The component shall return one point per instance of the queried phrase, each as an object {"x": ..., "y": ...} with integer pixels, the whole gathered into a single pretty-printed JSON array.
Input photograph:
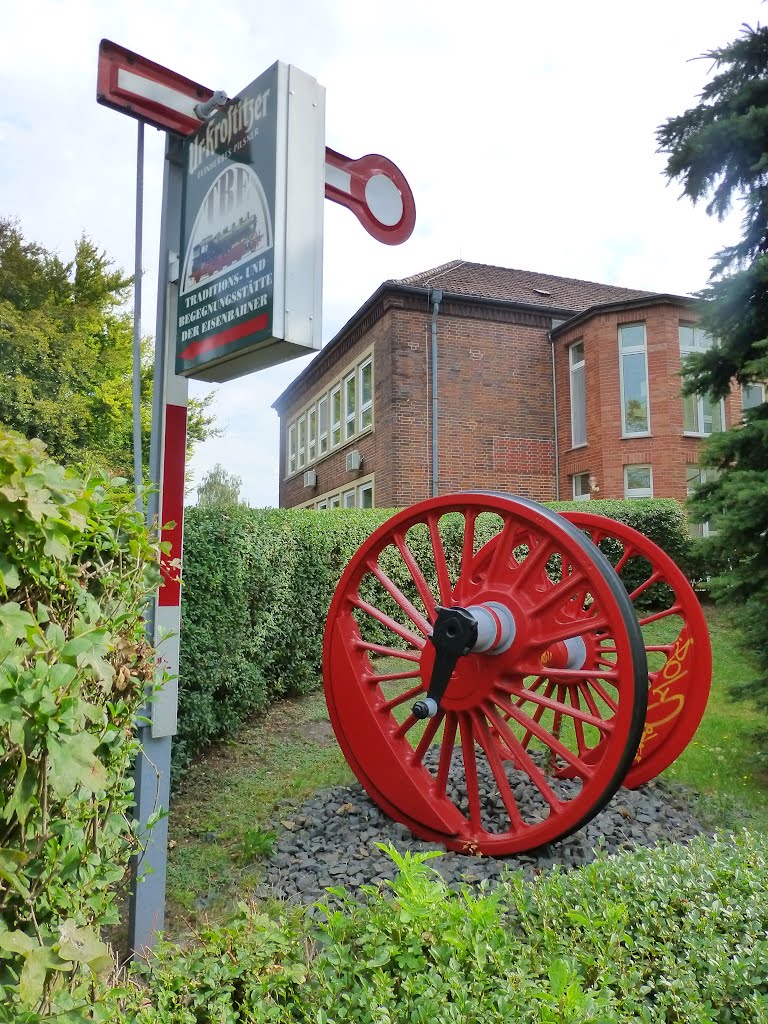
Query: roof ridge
[{"x": 428, "y": 275}]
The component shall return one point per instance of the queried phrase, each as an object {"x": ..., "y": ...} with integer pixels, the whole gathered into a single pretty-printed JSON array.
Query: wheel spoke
[
  {"x": 568, "y": 630},
  {"x": 426, "y": 595},
  {"x": 578, "y": 721},
  {"x": 429, "y": 734},
  {"x": 402, "y": 698},
  {"x": 561, "y": 592},
  {"x": 674, "y": 610},
  {"x": 502, "y": 552},
  {"x": 441, "y": 566},
  {"x": 393, "y": 677},
  {"x": 570, "y": 675},
  {"x": 386, "y": 620},
  {"x": 470, "y": 768},
  {"x": 399, "y": 597},
  {"x": 386, "y": 652},
  {"x": 602, "y": 693},
  {"x": 559, "y": 706},
  {"x": 521, "y": 755},
  {"x": 546, "y": 737},
  {"x": 653, "y": 578},
  {"x": 468, "y": 544},
  {"x": 446, "y": 752},
  {"x": 486, "y": 741}
]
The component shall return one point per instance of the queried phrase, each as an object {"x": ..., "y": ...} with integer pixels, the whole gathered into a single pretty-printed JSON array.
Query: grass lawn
[{"x": 221, "y": 813}]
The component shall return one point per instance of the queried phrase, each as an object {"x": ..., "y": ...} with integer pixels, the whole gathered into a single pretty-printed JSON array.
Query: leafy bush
[
  {"x": 659, "y": 935},
  {"x": 258, "y": 584},
  {"x": 76, "y": 568}
]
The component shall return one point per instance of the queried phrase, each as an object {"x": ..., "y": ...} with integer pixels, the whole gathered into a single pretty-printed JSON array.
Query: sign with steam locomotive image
[{"x": 249, "y": 287}]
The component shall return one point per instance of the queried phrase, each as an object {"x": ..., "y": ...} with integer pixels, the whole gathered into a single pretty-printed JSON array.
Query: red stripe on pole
[
  {"x": 172, "y": 503},
  {"x": 206, "y": 345}
]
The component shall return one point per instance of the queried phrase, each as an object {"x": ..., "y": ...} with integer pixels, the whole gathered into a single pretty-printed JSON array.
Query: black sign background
[{"x": 226, "y": 287}]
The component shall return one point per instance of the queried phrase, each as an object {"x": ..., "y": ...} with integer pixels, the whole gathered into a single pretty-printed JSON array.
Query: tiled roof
[{"x": 525, "y": 286}]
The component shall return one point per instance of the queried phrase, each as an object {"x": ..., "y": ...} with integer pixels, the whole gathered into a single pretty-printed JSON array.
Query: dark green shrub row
[
  {"x": 258, "y": 583},
  {"x": 76, "y": 571},
  {"x": 664, "y": 935}
]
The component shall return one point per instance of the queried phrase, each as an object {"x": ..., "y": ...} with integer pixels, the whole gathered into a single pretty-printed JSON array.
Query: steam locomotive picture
[
  {"x": 224, "y": 249},
  {"x": 232, "y": 225}
]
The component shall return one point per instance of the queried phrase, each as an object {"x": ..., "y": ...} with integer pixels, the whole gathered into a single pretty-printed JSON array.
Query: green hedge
[
  {"x": 670, "y": 935},
  {"x": 257, "y": 586}
]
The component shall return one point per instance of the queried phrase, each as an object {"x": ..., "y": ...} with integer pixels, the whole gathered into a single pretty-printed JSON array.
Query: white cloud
[{"x": 526, "y": 132}]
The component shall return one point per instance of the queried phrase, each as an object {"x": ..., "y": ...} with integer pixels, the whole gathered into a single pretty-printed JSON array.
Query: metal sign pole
[
  {"x": 137, "y": 270},
  {"x": 165, "y": 504}
]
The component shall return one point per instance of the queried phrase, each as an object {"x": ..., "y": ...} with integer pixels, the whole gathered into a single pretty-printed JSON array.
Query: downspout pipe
[
  {"x": 554, "y": 416},
  {"x": 436, "y": 297}
]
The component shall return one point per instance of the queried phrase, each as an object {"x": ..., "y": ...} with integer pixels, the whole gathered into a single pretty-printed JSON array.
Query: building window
[
  {"x": 752, "y": 395},
  {"x": 365, "y": 495},
  {"x": 322, "y": 426},
  {"x": 302, "y": 441},
  {"x": 350, "y": 404},
  {"x": 695, "y": 475},
  {"x": 348, "y": 499},
  {"x": 581, "y": 488},
  {"x": 321, "y": 505},
  {"x": 701, "y": 416},
  {"x": 336, "y": 416},
  {"x": 311, "y": 434},
  {"x": 578, "y": 395},
  {"x": 638, "y": 482},
  {"x": 366, "y": 394},
  {"x": 334, "y": 501},
  {"x": 292, "y": 448},
  {"x": 633, "y": 372}
]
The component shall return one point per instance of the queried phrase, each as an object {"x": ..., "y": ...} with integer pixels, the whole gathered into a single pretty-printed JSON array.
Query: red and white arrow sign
[{"x": 372, "y": 187}]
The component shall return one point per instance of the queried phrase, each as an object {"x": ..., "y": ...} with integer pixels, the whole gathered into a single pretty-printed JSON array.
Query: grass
[{"x": 224, "y": 809}]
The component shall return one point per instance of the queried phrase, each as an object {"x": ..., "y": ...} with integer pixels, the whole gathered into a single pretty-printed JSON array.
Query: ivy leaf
[
  {"x": 84, "y": 947},
  {"x": 72, "y": 763},
  {"x": 14, "y": 620},
  {"x": 9, "y": 576},
  {"x": 36, "y": 966}
]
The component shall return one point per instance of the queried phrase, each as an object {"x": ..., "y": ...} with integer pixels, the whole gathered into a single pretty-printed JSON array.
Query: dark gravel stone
[{"x": 332, "y": 841}]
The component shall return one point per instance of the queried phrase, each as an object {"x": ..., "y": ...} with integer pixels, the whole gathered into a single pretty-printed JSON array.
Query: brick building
[{"x": 547, "y": 387}]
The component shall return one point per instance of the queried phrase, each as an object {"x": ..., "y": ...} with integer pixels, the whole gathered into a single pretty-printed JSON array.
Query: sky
[{"x": 526, "y": 132}]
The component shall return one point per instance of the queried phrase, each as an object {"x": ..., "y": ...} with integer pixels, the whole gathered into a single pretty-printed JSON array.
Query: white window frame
[
  {"x": 704, "y": 475},
  {"x": 700, "y": 342},
  {"x": 578, "y": 369},
  {"x": 322, "y": 429},
  {"x": 745, "y": 402},
  {"x": 630, "y": 351},
  {"x": 292, "y": 451},
  {"x": 321, "y": 505},
  {"x": 336, "y": 436},
  {"x": 638, "y": 492},
  {"x": 365, "y": 412},
  {"x": 334, "y": 501},
  {"x": 579, "y": 495},
  {"x": 350, "y": 414},
  {"x": 348, "y": 499},
  {"x": 302, "y": 448},
  {"x": 311, "y": 434}
]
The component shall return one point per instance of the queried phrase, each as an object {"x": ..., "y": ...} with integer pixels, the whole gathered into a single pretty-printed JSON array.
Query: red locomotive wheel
[
  {"x": 676, "y": 641},
  {"x": 506, "y": 760}
]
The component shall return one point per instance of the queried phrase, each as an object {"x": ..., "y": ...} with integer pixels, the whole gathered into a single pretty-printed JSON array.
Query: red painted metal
[
  {"x": 113, "y": 91},
  {"x": 360, "y": 173},
  {"x": 174, "y": 452},
  {"x": 679, "y": 684},
  {"x": 377, "y": 661}
]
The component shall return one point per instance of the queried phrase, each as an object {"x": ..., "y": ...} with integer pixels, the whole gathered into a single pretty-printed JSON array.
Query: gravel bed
[{"x": 330, "y": 840}]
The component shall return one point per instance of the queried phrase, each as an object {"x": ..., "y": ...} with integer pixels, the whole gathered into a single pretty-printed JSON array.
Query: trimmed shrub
[
  {"x": 76, "y": 569},
  {"x": 258, "y": 584},
  {"x": 670, "y": 934}
]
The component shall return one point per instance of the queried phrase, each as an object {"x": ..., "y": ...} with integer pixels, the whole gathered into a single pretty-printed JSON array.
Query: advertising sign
[{"x": 252, "y": 230}]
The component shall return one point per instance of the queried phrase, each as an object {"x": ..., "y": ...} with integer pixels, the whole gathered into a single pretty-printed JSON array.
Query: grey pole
[
  {"x": 153, "y": 764},
  {"x": 137, "y": 460}
]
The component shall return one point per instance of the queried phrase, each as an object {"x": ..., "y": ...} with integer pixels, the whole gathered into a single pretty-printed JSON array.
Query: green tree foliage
[
  {"x": 219, "y": 488},
  {"x": 66, "y": 355},
  {"x": 719, "y": 152}
]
